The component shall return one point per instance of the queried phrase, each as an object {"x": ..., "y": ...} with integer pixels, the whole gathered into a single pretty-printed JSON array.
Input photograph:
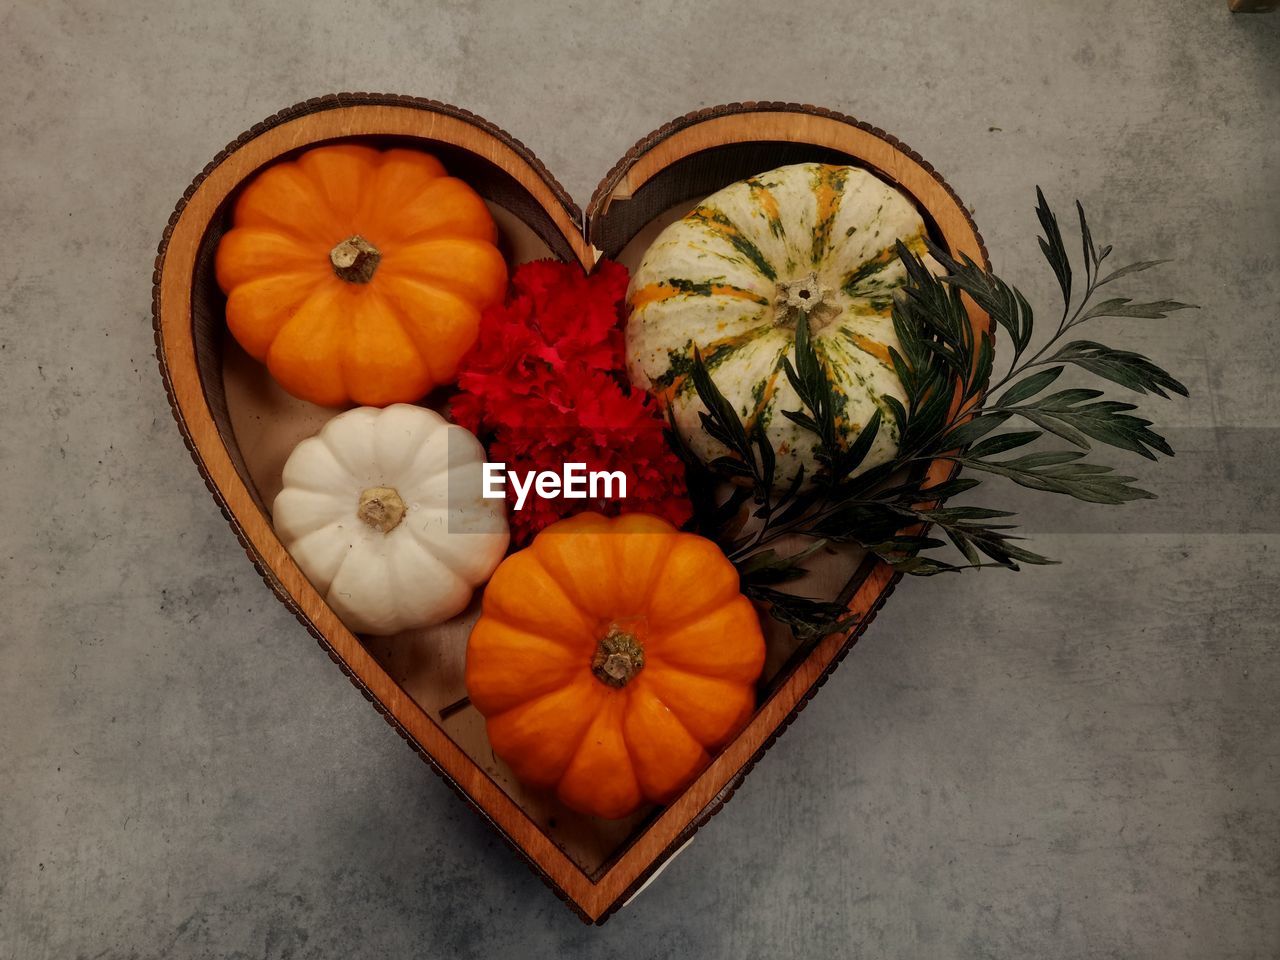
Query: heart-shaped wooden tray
[{"x": 239, "y": 427}]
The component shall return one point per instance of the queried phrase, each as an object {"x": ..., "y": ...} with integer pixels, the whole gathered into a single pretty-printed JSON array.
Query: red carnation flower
[{"x": 544, "y": 387}]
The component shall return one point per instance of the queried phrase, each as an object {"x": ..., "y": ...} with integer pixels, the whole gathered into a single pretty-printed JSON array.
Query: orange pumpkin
[
  {"x": 612, "y": 656},
  {"x": 359, "y": 275}
]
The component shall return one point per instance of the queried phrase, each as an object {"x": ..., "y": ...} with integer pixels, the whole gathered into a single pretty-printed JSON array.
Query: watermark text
[{"x": 573, "y": 482}]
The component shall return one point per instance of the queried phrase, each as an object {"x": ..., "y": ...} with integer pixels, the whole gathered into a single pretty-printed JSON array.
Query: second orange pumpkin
[
  {"x": 359, "y": 275},
  {"x": 611, "y": 658}
]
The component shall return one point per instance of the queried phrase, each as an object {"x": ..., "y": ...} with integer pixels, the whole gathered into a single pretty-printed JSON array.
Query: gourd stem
[
  {"x": 804, "y": 297},
  {"x": 355, "y": 259},
  {"x": 619, "y": 657},
  {"x": 381, "y": 508}
]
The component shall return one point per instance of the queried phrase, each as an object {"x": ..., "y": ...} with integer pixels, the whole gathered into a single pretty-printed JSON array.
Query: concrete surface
[{"x": 1072, "y": 762}]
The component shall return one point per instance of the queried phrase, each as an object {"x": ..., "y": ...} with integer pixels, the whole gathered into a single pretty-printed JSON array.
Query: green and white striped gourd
[{"x": 733, "y": 277}]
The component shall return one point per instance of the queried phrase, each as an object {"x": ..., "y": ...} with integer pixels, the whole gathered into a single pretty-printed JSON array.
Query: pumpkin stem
[
  {"x": 355, "y": 259},
  {"x": 619, "y": 657},
  {"x": 381, "y": 508},
  {"x": 804, "y": 297}
]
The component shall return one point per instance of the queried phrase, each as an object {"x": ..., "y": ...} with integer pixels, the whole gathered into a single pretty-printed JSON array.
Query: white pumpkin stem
[
  {"x": 355, "y": 259},
  {"x": 805, "y": 297},
  {"x": 381, "y": 508},
  {"x": 619, "y": 657}
]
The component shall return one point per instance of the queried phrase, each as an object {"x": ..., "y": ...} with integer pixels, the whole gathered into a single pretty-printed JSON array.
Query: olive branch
[{"x": 953, "y": 413}]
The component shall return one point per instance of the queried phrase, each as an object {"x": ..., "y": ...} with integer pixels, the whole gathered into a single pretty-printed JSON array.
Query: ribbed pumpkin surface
[
  {"x": 389, "y": 333},
  {"x": 721, "y": 277}
]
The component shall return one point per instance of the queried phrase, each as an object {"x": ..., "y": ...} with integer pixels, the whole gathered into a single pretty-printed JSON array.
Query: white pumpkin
[
  {"x": 382, "y": 510},
  {"x": 733, "y": 277}
]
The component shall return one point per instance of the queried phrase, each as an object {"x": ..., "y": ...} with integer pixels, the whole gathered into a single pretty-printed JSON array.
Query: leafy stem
[{"x": 950, "y": 411}]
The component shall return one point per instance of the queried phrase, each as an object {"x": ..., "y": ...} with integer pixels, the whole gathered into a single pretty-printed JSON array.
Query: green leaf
[
  {"x": 927, "y": 419},
  {"x": 1023, "y": 555},
  {"x": 699, "y": 481},
  {"x": 713, "y": 428},
  {"x": 1045, "y": 458},
  {"x": 1086, "y": 241},
  {"x": 1000, "y": 547},
  {"x": 1093, "y": 483},
  {"x": 769, "y": 567},
  {"x": 1058, "y": 427},
  {"x": 929, "y": 309},
  {"x": 861, "y": 522},
  {"x": 965, "y": 545},
  {"x": 768, "y": 459},
  {"x": 720, "y": 412},
  {"x": 1004, "y": 304},
  {"x": 1108, "y": 421},
  {"x": 1124, "y": 307},
  {"x": 1052, "y": 247},
  {"x": 751, "y": 457},
  {"x": 1003, "y": 442},
  {"x": 905, "y": 373},
  {"x": 956, "y": 514},
  {"x": 803, "y": 420},
  {"x": 808, "y": 619},
  {"x": 852, "y": 458},
  {"x": 981, "y": 375},
  {"x": 899, "y": 412},
  {"x": 924, "y": 566},
  {"x": 973, "y": 430},
  {"x": 1029, "y": 387},
  {"x": 1070, "y": 396},
  {"x": 1124, "y": 367},
  {"x": 793, "y": 504},
  {"x": 808, "y": 377},
  {"x": 950, "y": 488},
  {"x": 1130, "y": 269},
  {"x": 903, "y": 545},
  {"x": 729, "y": 507},
  {"x": 731, "y": 467}
]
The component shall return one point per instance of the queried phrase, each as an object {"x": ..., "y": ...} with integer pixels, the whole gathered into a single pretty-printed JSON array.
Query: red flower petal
[{"x": 545, "y": 385}]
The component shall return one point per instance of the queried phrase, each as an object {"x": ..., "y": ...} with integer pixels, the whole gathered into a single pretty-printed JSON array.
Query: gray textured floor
[{"x": 1078, "y": 761}]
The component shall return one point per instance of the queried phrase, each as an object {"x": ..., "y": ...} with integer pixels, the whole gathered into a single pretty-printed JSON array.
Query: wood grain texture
[
  {"x": 755, "y": 127},
  {"x": 656, "y": 168}
]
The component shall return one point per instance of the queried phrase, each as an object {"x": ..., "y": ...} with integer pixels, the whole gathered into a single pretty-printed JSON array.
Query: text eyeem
[{"x": 573, "y": 482}]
